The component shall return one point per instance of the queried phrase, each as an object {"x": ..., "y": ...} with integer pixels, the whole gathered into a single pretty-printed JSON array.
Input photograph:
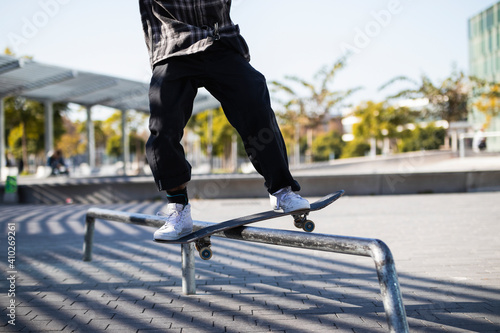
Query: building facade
[{"x": 484, "y": 63}]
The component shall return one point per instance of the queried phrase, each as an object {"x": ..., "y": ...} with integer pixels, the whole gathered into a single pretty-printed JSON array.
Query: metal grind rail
[{"x": 374, "y": 248}]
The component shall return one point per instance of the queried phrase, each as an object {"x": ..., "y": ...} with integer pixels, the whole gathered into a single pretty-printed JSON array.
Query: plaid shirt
[{"x": 182, "y": 27}]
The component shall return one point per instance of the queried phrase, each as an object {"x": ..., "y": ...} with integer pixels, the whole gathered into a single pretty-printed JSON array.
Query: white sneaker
[
  {"x": 288, "y": 201},
  {"x": 178, "y": 222}
]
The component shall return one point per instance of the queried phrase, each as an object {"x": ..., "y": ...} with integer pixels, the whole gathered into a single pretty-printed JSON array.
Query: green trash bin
[
  {"x": 11, "y": 184},
  {"x": 10, "y": 195}
]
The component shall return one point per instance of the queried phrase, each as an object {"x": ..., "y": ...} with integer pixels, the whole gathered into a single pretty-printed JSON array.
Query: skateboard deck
[{"x": 201, "y": 237}]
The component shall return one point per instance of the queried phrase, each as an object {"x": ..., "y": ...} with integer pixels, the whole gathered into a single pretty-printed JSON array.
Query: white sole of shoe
[{"x": 166, "y": 238}]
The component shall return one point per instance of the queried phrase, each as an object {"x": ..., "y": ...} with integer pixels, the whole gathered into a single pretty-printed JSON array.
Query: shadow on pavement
[{"x": 134, "y": 284}]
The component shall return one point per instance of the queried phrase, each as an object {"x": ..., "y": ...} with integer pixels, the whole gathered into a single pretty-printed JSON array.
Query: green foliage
[
  {"x": 423, "y": 138},
  {"x": 355, "y": 148},
  {"x": 327, "y": 145},
  {"x": 222, "y": 132},
  {"x": 114, "y": 146},
  {"x": 108, "y": 133},
  {"x": 379, "y": 120},
  {"x": 487, "y": 100},
  {"x": 72, "y": 142},
  {"x": 25, "y": 126},
  {"x": 137, "y": 143}
]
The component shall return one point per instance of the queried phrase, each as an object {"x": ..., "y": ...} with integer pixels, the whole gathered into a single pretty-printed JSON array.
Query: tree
[
  {"x": 355, "y": 148},
  {"x": 71, "y": 142},
  {"x": 109, "y": 134},
  {"x": 22, "y": 120},
  {"x": 309, "y": 110},
  {"x": 487, "y": 100},
  {"x": 378, "y": 121},
  {"x": 422, "y": 138},
  {"x": 25, "y": 126},
  {"x": 447, "y": 100},
  {"x": 222, "y": 133},
  {"x": 328, "y": 145}
]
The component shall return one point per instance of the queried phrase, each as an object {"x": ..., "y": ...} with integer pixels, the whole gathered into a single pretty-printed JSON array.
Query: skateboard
[{"x": 201, "y": 237}]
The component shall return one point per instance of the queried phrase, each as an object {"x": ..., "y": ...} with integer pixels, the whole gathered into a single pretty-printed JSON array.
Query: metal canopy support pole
[
  {"x": 90, "y": 138},
  {"x": 125, "y": 143},
  {"x": 49, "y": 127},
  {"x": 462, "y": 145},
  {"x": 374, "y": 248},
  {"x": 3, "y": 159},
  {"x": 373, "y": 147}
]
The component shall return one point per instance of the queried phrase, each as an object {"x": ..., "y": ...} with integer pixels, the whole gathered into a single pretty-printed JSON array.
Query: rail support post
[
  {"x": 389, "y": 287},
  {"x": 89, "y": 238},
  {"x": 188, "y": 270}
]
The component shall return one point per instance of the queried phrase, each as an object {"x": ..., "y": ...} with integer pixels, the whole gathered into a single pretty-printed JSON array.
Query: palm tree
[
  {"x": 310, "y": 109},
  {"x": 447, "y": 100}
]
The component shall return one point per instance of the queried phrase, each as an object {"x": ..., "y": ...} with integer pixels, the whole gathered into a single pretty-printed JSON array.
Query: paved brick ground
[{"x": 446, "y": 249}]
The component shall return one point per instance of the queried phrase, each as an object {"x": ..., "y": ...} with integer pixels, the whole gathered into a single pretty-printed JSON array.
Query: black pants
[{"x": 243, "y": 94}]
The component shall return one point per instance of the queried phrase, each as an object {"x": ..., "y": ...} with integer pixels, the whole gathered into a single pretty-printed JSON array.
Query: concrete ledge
[
  {"x": 127, "y": 189},
  {"x": 403, "y": 183}
]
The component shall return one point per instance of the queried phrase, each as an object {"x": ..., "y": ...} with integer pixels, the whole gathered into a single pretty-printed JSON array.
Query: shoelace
[{"x": 168, "y": 215}]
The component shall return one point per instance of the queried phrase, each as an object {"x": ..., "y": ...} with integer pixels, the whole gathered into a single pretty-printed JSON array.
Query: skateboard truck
[
  {"x": 202, "y": 245},
  {"x": 300, "y": 221}
]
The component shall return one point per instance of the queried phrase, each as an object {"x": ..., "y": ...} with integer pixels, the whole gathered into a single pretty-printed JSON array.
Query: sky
[{"x": 388, "y": 38}]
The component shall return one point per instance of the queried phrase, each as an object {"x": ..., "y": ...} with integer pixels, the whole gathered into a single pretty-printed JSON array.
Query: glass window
[
  {"x": 489, "y": 18},
  {"x": 497, "y": 45}
]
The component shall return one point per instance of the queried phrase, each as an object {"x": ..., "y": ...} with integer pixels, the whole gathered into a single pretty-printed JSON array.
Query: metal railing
[
  {"x": 374, "y": 248},
  {"x": 462, "y": 137}
]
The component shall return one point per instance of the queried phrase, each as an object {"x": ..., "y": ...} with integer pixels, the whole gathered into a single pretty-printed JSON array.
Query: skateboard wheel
[
  {"x": 205, "y": 253},
  {"x": 308, "y": 226}
]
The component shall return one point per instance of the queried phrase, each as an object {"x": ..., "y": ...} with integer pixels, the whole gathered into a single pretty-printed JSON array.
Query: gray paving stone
[{"x": 445, "y": 247}]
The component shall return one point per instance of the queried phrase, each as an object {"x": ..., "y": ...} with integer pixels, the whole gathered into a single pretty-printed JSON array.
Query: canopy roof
[{"x": 37, "y": 81}]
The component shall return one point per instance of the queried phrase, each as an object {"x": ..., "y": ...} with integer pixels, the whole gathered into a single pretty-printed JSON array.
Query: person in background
[
  {"x": 479, "y": 141},
  {"x": 56, "y": 162}
]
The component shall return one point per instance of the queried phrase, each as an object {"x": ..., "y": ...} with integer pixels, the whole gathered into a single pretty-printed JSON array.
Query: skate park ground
[{"x": 445, "y": 247}]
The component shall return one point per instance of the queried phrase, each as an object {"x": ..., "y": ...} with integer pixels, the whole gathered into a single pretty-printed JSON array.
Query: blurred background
[{"x": 362, "y": 80}]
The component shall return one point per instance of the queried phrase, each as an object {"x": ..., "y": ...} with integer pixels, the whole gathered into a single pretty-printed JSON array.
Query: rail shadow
[{"x": 135, "y": 284}]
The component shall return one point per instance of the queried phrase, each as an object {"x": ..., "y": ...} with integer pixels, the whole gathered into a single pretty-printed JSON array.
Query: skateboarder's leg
[
  {"x": 171, "y": 100},
  {"x": 244, "y": 96}
]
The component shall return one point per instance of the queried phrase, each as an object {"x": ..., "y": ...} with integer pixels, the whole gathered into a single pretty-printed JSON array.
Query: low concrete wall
[
  {"x": 415, "y": 183},
  {"x": 127, "y": 189}
]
